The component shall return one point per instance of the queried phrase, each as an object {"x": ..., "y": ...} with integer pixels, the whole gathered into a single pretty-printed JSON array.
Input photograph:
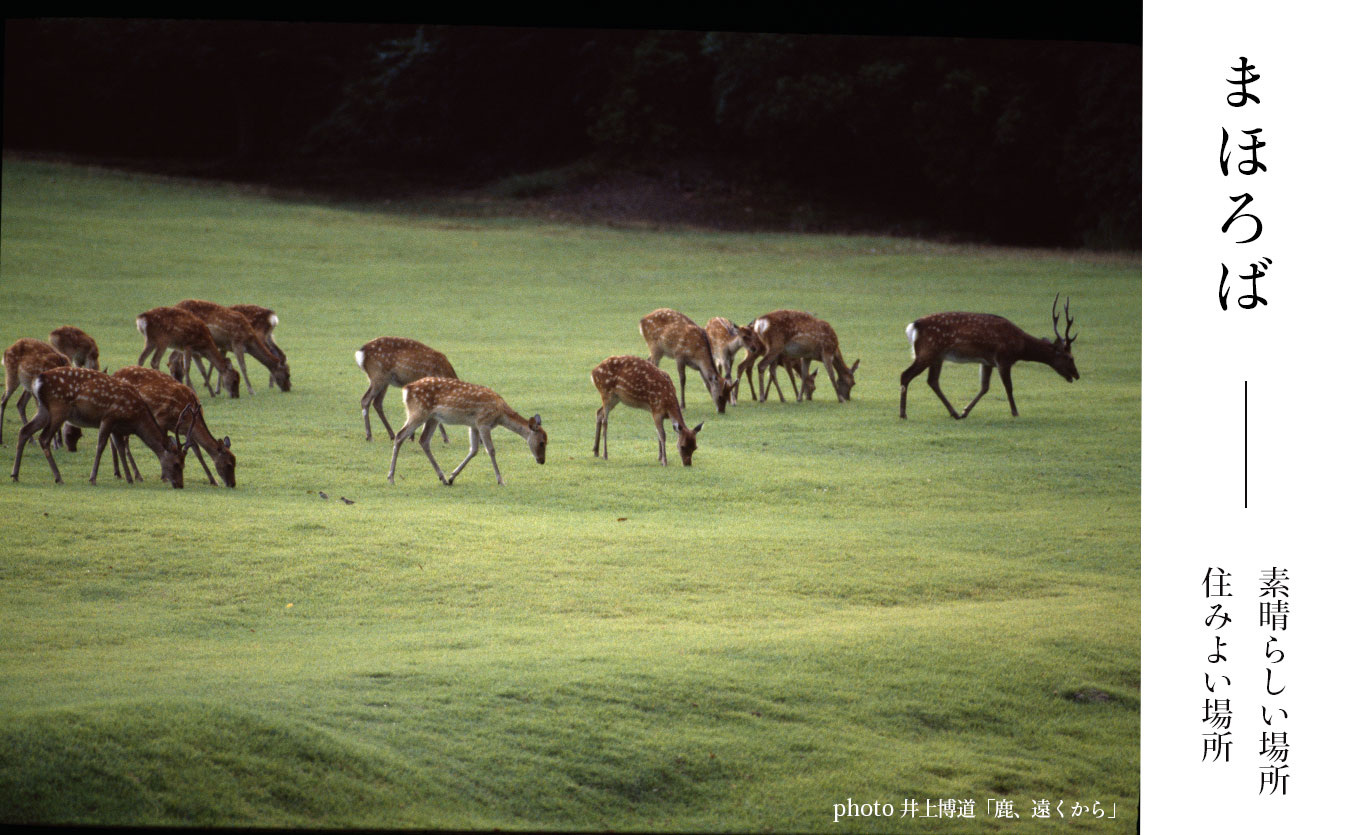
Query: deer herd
[{"x": 62, "y": 375}]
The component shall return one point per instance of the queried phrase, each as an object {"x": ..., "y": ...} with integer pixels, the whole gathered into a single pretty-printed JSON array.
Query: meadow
[{"x": 830, "y": 604}]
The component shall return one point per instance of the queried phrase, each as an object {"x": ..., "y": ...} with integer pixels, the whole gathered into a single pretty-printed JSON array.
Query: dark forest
[{"x": 1008, "y": 141}]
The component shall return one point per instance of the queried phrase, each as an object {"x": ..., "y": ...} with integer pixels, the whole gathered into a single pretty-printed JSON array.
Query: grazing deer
[
  {"x": 91, "y": 399},
  {"x": 174, "y": 327},
  {"x": 394, "y": 360},
  {"x": 233, "y": 332},
  {"x": 638, "y": 383},
  {"x": 755, "y": 350},
  {"x": 264, "y": 321},
  {"x": 670, "y": 333},
  {"x": 799, "y": 335},
  {"x": 76, "y": 344},
  {"x": 24, "y": 361},
  {"x": 170, "y": 400},
  {"x": 992, "y": 341},
  {"x": 441, "y": 400}
]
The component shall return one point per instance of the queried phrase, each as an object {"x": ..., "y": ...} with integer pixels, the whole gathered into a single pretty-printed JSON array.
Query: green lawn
[{"x": 829, "y": 604}]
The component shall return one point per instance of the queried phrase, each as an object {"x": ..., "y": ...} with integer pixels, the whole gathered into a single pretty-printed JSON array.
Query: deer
[
  {"x": 799, "y": 335},
  {"x": 264, "y": 321},
  {"x": 636, "y": 382},
  {"x": 993, "y": 342},
  {"x": 670, "y": 333},
  {"x": 174, "y": 327},
  {"x": 170, "y": 400},
  {"x": 79, "y": 346},
  {"x": 233, "y": 332},
  {"x": 394, "y": 360},
  {"x": 91, "y": 399},
  {"x": 728, "y": 338},
  {"x": 442, "y": 400},
  {"x": 24, "y": 361}
]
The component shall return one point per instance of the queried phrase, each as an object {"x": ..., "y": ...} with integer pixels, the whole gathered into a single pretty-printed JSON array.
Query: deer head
[
  {"x": 538, "y": 439},
  {"x": 844, "y": 379},
  {"x": 1062, "y": 360},
  {"x": 686, "y": 444}
]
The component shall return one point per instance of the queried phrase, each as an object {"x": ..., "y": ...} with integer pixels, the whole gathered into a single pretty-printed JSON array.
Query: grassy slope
[{"x": 829, "y": 604}]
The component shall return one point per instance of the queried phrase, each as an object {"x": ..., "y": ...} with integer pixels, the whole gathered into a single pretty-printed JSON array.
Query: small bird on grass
[
  {"x": 323, "y": 495},
  {"x": 346, "y": 500}
]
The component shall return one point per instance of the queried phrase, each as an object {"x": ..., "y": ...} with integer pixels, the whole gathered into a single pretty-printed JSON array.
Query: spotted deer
[
  {"x": 92, "y": 399},
  {"x": 670, "y": 333},
  {"x": 169, "y": 400},
  {"x": 442, "y": 400},
  {"x": 989, "y": 340},
  {"x": 24, "y": 361},
  {"x": 727, "y": 339},
  {"x": 799, "y": 335},
  {"x": 264, "y": 321},
  {"x": 233, "y": 331},
  {"x": 638, "y": 383},
  {"x": 394, "y": 360},
  {"x": 173, "y": 327},
  {"x": 79, "y": 346}
]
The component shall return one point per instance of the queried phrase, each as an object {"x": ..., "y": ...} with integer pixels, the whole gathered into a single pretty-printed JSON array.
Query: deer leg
[
  {"x": 379, "y": 404},
  {"x": 206, "y": 374},
  {"x": 661, "y": 441},
  {"x": 5, "y": 404},
  {"x": 104, "y": 432},
  {"x": 148, "y": 349},
  {"x": 39, "y": 421},
  {"x": 680, "y": 368},
  {"x": 773, "y": 364},
  {"x": 243, "y": 372},
  {"x": 934, "y": 371},
  {"x": 747, "y": 364},
  {"x": 445, "y": 439},
  {"x": 1006, "y": 374},
  {"x": 486, "y": 434},
  {"x": 906, "y": 376},
  {"x": 984, "y": 387},
  {"x": 366, "y": 409},
  {"x": 209, "y": 477},
  {"x": 828, "y": 360},
  {"x": 426, "y": 443},
  {"x": 602, "y": 421},
  {"x": 407, "y": 431},
  {"x": 128, "y": 463},
  {"x": 473, "y": 450}
]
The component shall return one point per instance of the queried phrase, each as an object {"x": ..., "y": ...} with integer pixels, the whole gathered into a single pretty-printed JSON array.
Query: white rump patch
[
  {"x": 760, "y": 326},
  {"x": 140, "y": 324},
  {"x": 361, "y": 359},
  {"x": 272, "y": 320},
  {"x": 37, "y": 386},
  {"x": 910, "y": 333}
]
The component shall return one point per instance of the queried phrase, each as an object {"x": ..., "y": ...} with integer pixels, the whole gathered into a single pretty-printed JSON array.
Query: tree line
[{"x": 1010, "y": 141}]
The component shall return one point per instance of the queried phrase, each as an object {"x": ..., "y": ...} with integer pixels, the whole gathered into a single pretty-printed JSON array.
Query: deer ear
[
  {"x": 697, "y": 428},
  {"x": 854, "y": 367},
  {"x": 535, "y": 422},
  {"x": 225, "y": 442}
]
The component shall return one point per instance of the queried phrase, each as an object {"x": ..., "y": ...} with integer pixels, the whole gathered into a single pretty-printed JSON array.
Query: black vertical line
[{"x": 1245, "y": 444}]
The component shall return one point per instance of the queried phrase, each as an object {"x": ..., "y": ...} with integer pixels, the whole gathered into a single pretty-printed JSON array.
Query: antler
[
  {"x": 191, "y": 410},
  {"x": 1055, "y": 321}
]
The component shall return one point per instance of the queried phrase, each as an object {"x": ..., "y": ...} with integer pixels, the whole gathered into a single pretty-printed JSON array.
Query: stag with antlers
[
  {"x": 989, "y": 340},
  {"x": 170, "y": 401}
]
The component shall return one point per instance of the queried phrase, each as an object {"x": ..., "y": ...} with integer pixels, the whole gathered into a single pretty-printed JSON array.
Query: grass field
[{"x": 829, "y": 604}]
